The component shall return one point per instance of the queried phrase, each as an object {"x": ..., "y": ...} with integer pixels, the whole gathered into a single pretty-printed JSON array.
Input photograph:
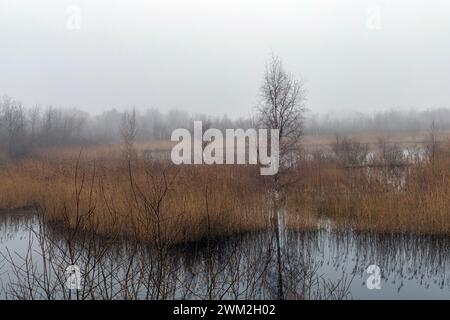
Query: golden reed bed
[{"x": 97, "y": 189}]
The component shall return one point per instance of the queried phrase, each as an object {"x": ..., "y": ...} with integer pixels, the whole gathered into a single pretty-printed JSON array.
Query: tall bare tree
[{"x": 282, "y": 106}]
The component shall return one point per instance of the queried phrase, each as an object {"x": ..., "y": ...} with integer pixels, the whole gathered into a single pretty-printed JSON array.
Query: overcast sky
[{"x": 208, "y": 55}]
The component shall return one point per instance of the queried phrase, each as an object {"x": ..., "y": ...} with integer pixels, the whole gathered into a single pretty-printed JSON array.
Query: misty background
[
  {"x": 71, "y": 70},
  {"x": 208, "y": 56}
]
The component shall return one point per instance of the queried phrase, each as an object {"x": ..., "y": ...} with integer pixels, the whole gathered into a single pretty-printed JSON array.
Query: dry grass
[
  {"x": 159, "y": 202},
  {"x": 152, "y": 201},
  {"x": 99, "y": 152},
  {"x": 414, "y": 199},
  {"x": 403, "y": 138}
]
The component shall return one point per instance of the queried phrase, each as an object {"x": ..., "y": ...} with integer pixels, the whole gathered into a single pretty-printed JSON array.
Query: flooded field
[{"x": 324, "y": 264}]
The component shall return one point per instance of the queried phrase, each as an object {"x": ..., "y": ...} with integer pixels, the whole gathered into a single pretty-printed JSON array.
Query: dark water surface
[{"x": 316, "y": 265}]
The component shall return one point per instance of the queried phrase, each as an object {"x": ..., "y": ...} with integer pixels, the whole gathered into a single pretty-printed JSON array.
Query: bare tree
[
  {"x": 350, "y": 153},
  {"x": 432, "y": 145},
  {"x": 34, "y": 118},
  {"x": 128, "y": 130},
  {"x": 282, "y": 107},
  {"x": 13, "y": 127}
]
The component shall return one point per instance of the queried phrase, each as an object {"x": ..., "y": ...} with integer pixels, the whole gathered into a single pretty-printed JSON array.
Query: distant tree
[
  {"x": 128, "y": 130},
  {"x": 34, "y": 115},
  {"x": 433, "y": 145},
  {"x": 13, "y": 126}
]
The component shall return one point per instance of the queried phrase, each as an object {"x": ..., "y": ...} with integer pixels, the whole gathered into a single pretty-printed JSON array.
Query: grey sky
[{"x": 208, "y": 55}]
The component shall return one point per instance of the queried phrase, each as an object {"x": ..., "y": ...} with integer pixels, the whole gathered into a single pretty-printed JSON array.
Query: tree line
[
  {"x": 388, "y": 121},
  {"x": 24, "y": 129}
]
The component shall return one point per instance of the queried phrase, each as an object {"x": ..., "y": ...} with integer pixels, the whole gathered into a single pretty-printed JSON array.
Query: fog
[{"x": 208, "y": 56}]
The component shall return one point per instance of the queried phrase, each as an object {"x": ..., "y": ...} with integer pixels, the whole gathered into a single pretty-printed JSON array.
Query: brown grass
[
  {"x": 414, "y": 199},
  {"x": 159, "y": 202},
  {"x": 152, "y": 201}
]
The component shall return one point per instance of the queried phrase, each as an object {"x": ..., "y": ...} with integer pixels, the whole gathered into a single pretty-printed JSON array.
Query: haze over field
[
  {"x": 208, "y": 56},
  {"x": 224, "y": 149}
]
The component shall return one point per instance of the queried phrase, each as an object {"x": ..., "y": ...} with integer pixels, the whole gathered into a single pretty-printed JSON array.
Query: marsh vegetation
[{"x": 139, "y": 227}]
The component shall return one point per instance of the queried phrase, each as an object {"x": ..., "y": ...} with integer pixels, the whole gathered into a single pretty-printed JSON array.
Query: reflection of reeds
[{"x": 239, "y": 267}]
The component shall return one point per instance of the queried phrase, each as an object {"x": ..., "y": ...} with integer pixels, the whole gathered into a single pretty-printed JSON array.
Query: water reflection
[{"x": 316, "y": 265}]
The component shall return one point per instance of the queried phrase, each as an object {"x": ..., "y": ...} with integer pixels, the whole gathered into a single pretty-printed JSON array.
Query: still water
[{"x": 316, "y": 265}]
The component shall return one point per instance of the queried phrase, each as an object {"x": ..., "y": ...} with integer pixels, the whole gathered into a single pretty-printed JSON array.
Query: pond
[{"x": 323, "y": 264}]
